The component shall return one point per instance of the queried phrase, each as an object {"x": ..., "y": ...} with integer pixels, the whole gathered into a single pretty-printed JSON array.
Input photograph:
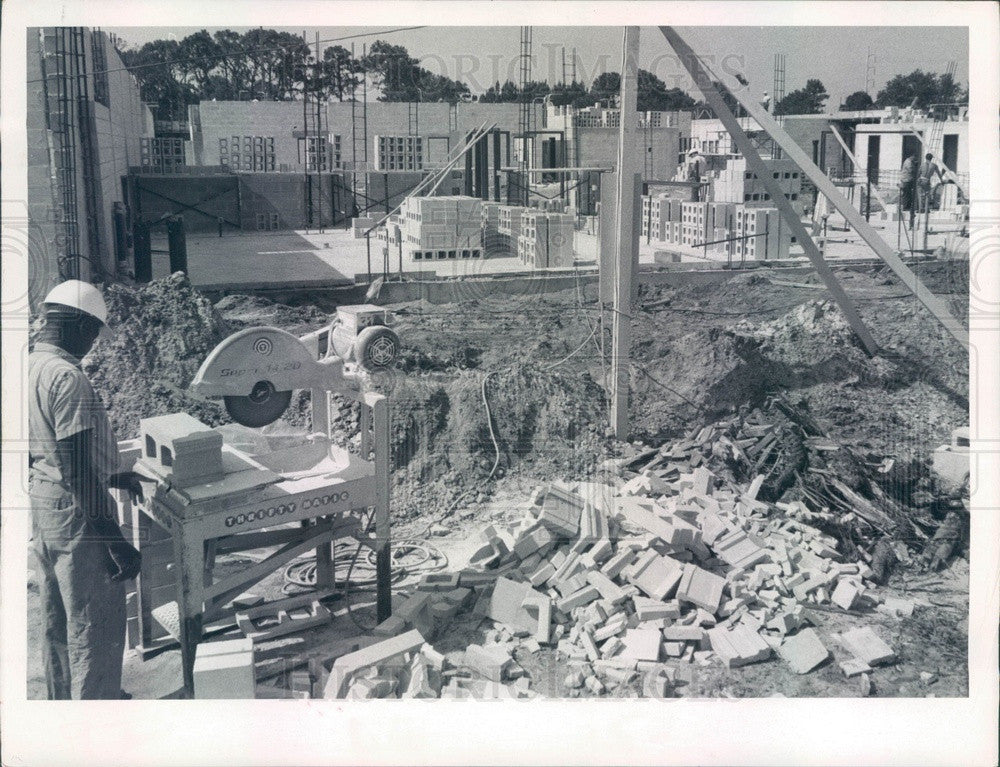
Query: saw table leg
[
  {"x": 324, "y": 563},
  {"x": 383, "y": 560},
  {"x": 189, "y": 554}
]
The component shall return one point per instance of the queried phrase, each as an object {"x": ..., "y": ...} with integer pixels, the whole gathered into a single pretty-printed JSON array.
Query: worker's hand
[
  {"x": 126, "y": 561},
  {"x": 127, "y": 480}
]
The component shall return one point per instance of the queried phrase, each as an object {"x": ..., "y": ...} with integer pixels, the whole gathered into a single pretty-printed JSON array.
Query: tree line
[{"x": 280, "y": 66}]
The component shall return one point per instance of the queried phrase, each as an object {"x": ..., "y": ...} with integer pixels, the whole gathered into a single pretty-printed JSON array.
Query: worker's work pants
[{"x": 84, "y": 611}]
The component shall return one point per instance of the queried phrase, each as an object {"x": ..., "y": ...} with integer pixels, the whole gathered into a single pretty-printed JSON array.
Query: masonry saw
[{"x": 255, "y": 370}]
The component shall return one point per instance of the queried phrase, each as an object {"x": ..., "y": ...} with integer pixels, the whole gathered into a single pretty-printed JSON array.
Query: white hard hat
[{"x": 79, "y": 295}]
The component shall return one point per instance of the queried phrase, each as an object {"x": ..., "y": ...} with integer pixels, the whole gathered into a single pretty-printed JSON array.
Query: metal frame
[{"x": 201, "y": 528}]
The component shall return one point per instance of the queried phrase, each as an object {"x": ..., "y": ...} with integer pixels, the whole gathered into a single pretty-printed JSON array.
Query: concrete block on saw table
[
  {"x": 700, "y": 587},
  {"x": 346, "y": 666},
  {"x": 865, "y": 644},
  {"x": 224, "y": 670},
  {"x": 183, "y": 448},
  {"x": 739, "y": 646},
  {"x": 803, "y": 651}
]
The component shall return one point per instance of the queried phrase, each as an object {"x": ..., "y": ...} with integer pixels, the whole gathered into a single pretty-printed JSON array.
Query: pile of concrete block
[
  {"x": 546, "y": 239},
  {"x": 669, "y": 566},
  {"x": 635, "y": 581}
]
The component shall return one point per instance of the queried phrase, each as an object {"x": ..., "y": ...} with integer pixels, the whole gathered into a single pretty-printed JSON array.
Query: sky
[{"x": 479, "y": 56}]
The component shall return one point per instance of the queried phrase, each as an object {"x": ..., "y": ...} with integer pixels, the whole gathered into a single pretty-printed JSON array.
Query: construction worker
[
  {"x": 907, "y": 184},
  {"x": 83, "y": 559},
  {"x": 928, "y": 169},
  {"x": 695, "y": 169}
]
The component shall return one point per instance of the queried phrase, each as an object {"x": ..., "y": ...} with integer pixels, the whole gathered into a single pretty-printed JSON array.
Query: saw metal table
[{"x": 249, "y": 508}]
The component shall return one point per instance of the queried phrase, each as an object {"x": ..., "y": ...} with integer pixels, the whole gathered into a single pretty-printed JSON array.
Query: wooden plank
[
  {"x": 778, "y": 199},
  {"x": 625, "y": 240}
]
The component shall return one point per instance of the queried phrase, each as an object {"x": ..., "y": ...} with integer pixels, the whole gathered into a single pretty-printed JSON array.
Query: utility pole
[{"x": 625, "y": 243}]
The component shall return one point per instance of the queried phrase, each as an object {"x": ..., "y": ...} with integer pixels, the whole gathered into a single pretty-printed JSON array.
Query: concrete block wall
[{"x": 117, "y": 128}]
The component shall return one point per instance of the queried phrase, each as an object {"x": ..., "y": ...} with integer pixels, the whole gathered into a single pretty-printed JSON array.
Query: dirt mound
[
  {"x": 442, "y": 445},
  {"x": 164, "y": 330},
  {"x": 246, "y": 311}
]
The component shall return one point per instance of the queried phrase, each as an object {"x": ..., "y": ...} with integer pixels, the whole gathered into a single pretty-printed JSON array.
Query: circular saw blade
[{"x": 262, "y": 406}]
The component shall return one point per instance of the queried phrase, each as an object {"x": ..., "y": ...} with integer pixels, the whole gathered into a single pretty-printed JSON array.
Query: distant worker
[
  {"x": 695, "y": 170},
  {"x": 928, "y": 169},
  {"x": 907, "y": 185},
  {"x": 83, "y": 559}
]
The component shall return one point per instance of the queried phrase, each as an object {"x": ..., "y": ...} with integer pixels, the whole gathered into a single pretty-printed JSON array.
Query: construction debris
[{"x": 665, "y": 563}]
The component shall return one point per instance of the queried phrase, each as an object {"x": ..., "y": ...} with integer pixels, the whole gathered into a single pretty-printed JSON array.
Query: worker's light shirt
[{"x": 62, "y": 402}]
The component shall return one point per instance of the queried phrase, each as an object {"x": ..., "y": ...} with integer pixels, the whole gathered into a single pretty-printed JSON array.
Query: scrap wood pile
[{"x": 668, "y": 564}]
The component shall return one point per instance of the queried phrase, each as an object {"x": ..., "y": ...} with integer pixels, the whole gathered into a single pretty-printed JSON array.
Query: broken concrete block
[
  {"x": 578, "y": 598},
  {"x": 391, "y": 626},
  {"x": 614, "y": 566},
  {"x": 896, "y": 606},
  {"x": 865, "y": 644},
  {"x": 346, "y": 666},
  {"x": 506, "y": 604},
  {"x": 846, "y": 593},
  {"x": 491, "y": 661},
  {"x": 739, "y": 646},
  {"x": 601, "y": 551},
  {"x": 653, "y": 609},
  {"x": 641, "y": 644},
  {"x": 539, "y": 539},
  {"x": 542, "y": 574},
  {"x": 539, "y": 607},
  {"x": 674, "y": 649},
  {"x": 803, "y": 651},
  {"x": 609, "y": 589},
  {"x": 574, "y": 679},
  {"x": 594, "y": 684},
  {"x": 561, "y": 512},
  {"x": 612, "y": 628},
  {"x": 438, "y": 582},
  {"x": 683, "y": 633},
  {"x": 700, "y": 587},
  {"x": 224, "y": 670},
  {"x": 657, "y": 576},
  {"x": 854, "y": 667}
]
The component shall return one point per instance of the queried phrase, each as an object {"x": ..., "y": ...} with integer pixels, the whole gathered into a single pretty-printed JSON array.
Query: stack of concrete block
[
  {"x": 693, "y": 218},
  {"x": 439, "y": 228},
  {"x": 546, "y": 239},
  {"x": 761, "y": 233}
]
